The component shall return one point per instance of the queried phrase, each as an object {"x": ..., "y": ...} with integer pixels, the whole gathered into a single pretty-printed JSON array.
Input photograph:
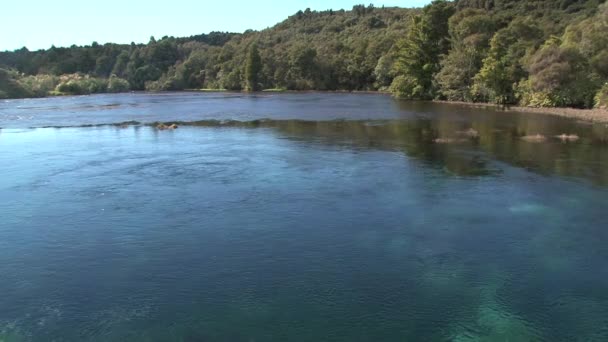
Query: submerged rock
[
  {"x": 163, "y": 127},
  {"x": 534, "y": 138},
  {"x": 471, "y": 133},
  {"x": 568, "y": 137},
  {"x": 443, "y": 141},
  {"x": 528, "y": 208},
  {"x": 449, "y": 141}
]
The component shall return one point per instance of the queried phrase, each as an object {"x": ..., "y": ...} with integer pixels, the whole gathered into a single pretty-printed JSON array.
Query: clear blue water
[{"x": 300, "y": 227}]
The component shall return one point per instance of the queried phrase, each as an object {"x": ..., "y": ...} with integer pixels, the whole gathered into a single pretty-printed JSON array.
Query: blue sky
[{"x": 39, "y": 24}]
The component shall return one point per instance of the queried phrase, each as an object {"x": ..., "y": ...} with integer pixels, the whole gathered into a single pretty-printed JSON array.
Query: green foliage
[
  {"x": 171, "y": 80},
  {"x": 120, "y": 67},
  {"x": 10, "y": 87},
  {"x": 551, "y": 15},
  {"x": 384, "y": 72},
  {"x": 470, "y": 33},
  {"x": 503, "y": 67},
  {"x": 77, "y": 84},
  {"x": 532, "y": 52},
  {"x": 253, "y": 68},
  {"x": 194, "y": 70},
  {"x": 407, "y": 86},
  {"x": 144, "y": 74},
  {"x": 421, "y": 49},
  {"x": 562, "y": 75},
  {"x": 326, "y": 50},
  {"x": 519, "y": 68},
  {"x": 117, "y": 85},
  {"x": 590, "y": 38},
  {"x": 39, "y": 85},
  {"x": 231, "y": 80},
  {"x": 601, "y": 98},
  {"x": 15, "y": 85},
  {"x": 303, "y": 68},
  {"x": 569, "y": 70}
]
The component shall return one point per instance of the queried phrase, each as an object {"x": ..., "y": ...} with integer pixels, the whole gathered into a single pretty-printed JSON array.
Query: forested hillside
[
  {"x": 327, "y": 50},
  {"x": 528, "y": 52}
]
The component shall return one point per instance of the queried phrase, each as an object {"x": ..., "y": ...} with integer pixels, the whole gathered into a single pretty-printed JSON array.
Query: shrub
[
  {"x": 76, "y": 84},
  {"x": 39, "y": 85},
  {"x": 580, "y": 96},
  {"x": 117, "y": 85},
  {"x": 406, "y": 87},
  {"x": 9, "y": 85},
  {"x": 70, "y": 87},
  {"x": 601, "y": 98}
]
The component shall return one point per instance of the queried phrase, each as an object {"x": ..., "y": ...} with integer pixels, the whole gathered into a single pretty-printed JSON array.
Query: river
[{"x": 298, "y": 217}]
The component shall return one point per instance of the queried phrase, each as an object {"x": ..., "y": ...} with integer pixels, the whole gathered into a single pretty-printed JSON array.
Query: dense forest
[{"x": 543, "y": 53}]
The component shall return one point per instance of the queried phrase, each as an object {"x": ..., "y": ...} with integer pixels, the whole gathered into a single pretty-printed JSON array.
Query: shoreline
[{"x": 595, "y": 115}]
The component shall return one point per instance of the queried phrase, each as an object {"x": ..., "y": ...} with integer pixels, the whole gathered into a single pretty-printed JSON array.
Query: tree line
[
  {"x": 528, "y": 52},
  {"x": 532, "y": 53}
]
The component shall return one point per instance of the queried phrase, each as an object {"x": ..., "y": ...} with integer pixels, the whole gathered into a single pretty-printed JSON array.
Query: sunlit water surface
[{"x": 350, "y": 223}]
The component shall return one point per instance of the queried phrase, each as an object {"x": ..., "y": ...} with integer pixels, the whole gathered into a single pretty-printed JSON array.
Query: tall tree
[
  {"x": 253, "y": 68},
  {"x": 420, "y": 51},
  {"x": 470, "y": 33}
]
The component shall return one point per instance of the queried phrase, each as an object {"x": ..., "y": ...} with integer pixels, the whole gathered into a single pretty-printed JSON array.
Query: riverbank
[{"x": 593, "y": 115}]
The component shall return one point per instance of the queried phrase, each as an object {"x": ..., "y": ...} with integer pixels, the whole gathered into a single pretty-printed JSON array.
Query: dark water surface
[{"x": 336, "y": 218}]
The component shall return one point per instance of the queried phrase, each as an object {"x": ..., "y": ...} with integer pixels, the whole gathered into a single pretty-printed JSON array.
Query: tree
[
  {"x": 252, "y": 68},
  {"x": 144, "y": 74},
  {"x": 559, "y": 77},
  {"x": 590, "y": 38},
  {"x": 470, "y": 33},
  {"x": 120, "y": 67},
  {"x": 471, "y": 50},
  {"x": 420, "y": 51},
  {"x": 194, "y": 69},
  {"x": 9, "y": 87},
  {"x": 302, "y": 67},
  {"x": 503, "y": 67},
  {"x": 383, "y": 71},
  {"x": 103, "y": 65},
  {"x": 326, "y": 50}
]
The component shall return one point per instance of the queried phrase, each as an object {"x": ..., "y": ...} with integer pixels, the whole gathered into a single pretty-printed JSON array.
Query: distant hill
[{"x": 310, "y": 50}]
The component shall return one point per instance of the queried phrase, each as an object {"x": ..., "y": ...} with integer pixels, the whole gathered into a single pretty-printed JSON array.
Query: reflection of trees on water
[{"x": 498, "y": 138}]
